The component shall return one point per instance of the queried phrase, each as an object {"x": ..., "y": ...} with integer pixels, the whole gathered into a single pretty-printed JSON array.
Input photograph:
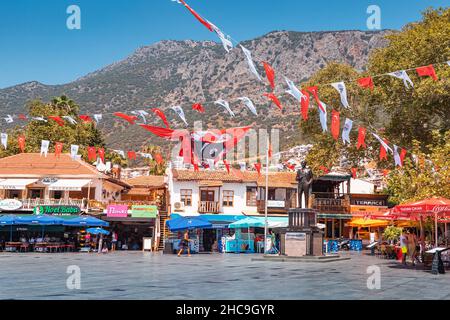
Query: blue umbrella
[
  {"x": 40, "y": 220},
  {"x": 8, "y": 220},
  {"x": 184, "y": 223},
  {"x": 85, "y": 221},
  {"x": 97, "y": 231}
]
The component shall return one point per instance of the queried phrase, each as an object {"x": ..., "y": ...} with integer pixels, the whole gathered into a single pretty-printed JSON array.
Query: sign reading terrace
[
  {"x": 144, "y": 211},
  {"x": 57, "y": 210}
]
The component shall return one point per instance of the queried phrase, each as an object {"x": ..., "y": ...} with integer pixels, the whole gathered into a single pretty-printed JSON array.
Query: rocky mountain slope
[{"x": 184, "y": 72}]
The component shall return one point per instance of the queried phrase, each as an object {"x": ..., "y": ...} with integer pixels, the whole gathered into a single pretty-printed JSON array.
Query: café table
[{"x": 12, "y": 246}]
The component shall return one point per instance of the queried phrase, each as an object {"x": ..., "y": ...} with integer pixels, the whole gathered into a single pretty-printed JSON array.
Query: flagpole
[{"x": 266, "y": 196}]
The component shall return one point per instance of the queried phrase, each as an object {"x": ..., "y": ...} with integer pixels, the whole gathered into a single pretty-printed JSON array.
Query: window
[
  {"x": 207, "y": 195},
  {"x": 251, "y": 196},
  {"x": 228, "y": 198},
  {"x": 186, "y": 197}
]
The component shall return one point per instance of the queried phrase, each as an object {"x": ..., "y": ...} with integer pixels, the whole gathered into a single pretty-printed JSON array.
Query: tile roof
[
  {"x": 35, "y": 165},
  {"x": 147, "y": 181}
]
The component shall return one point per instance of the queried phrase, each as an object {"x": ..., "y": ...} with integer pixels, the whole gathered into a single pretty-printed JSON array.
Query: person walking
[
  {"x": 114, "y": 241},
  {"x": 184, "y": 244},
  {"x": 412, "y": 247},
  {"x": 404, "y": 246}
]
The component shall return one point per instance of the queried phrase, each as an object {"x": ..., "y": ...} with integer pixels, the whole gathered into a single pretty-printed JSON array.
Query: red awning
[{"x": 432, "y": 206}]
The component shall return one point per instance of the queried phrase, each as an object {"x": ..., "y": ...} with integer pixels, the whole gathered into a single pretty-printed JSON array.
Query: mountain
[{"x": 171, "y": 73}]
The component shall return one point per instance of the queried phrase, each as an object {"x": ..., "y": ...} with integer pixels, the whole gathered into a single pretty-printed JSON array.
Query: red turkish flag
[
  {"x": 290, "y": 166},
  {"x": 315, "y": 93},
  {"x": 275, "y": 100},
  {"x": 402, "y": 155},
  {"x": 198, "y": 107},
  {"x": 335, "y": 124},
  {"x": 85, "y": 118},
  {"x": 386, "y": 172},
  {"x": 354, "y": 172},
  {"x": 161, "y": 115},
  {"x": 101, "y": 154},
  {"x": 197, "y": 16},
  {"x": 304, "y": 103},
  {"x": 21, "y": 141},
  {"x": 383, "y": 151},
  {"x": 129, "y": 119},
  {"x": 258, "y": 167},
  {"x": 361, "y": 138},
  {"x": 58, "y": 120},
  {"x": 427, "y": 71},
  {"x": 227, "y": 165},
  {"x": 58, "y": 149},
  {"x": 270, "y": 73},
  {"x": 324, "y": 169},
  {"x": 131, "y": 155},
  {"x": 366, "y": 82},
  {"x": 158, "y": 158},
  {"x": 22, "y": 116},
  {"x": 92, "y": 153}
]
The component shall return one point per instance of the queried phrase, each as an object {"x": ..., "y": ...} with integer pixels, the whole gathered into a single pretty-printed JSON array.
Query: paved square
[{"x": 137, "y": 275}]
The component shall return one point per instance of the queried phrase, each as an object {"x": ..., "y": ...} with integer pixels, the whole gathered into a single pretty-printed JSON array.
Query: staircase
[{"x": 163, "y": 216}]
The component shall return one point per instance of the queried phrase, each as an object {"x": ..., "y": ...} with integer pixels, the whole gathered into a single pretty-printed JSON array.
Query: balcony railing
[
  {"x": 328, "y": 202},
  {"x": 208, "y": 207}
]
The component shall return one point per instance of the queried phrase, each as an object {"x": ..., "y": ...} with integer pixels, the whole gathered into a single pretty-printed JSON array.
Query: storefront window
[
  {"x": 228, "y": 197},
  {"x": 186, "y": 197},
  {"x": 14, "y": 194}
]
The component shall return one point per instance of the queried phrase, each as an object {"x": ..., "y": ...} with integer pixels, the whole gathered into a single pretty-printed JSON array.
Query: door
[
  {"x": 207, "y": 195},
  {"x": 35, "y": 193}
]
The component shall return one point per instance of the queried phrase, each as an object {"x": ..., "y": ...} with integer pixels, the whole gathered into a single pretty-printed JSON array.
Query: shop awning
[
  {"x": 69, "y": 184},
  {"x": 365, "y": 223},
  {"x": 16, "y": 184}
]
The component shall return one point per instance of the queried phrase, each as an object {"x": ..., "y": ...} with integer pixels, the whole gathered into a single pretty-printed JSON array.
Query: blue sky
[{"x": 36, "y": 44}]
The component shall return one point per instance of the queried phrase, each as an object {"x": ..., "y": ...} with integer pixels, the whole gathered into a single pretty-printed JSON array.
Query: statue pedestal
[{"x": 302, "y": 237}]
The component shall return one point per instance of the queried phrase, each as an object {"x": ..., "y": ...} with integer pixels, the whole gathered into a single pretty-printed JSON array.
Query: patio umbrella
[
  {"x": 85, "y": 221},
  {"x": 186, "y": 223},
  {"x": 39, "y": 220},
  {"x": 366, "y": 223},
  {"x": 247, "y": 223},
  {"x": 8, "y": 220},
  {"x": 437, "y": 207},
  {"x": 97, "y": 231}
]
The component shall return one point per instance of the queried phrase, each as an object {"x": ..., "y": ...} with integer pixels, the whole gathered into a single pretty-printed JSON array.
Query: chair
[{"x": 25, "y": 247}]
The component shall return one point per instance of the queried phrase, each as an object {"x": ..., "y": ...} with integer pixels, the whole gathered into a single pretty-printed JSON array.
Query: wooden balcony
[
  {"x": 208, "y": 207},
  {"x": 326, "y": 202}
]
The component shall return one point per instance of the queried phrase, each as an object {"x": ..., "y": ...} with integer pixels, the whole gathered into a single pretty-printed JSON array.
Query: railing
[
  {"x": 328, "y": 202},
  {"x": 29, "y": 204},
  {"x": 208, "y": 207}
]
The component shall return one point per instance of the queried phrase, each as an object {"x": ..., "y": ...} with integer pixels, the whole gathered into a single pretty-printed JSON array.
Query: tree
[
  {"x": 155, "y": 168},
  {"x": 82, "y": 134},
  {"x": 427, "y": 176}
]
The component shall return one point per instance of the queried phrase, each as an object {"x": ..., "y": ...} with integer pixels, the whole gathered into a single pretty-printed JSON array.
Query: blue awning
[
  {"x": 40, "y": 220},
  {"x": 185, "y": 223},
  {"x": 85, "y": 221}
]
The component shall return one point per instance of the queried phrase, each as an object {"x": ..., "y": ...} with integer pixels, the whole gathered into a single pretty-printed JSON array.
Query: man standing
[{"x": 184, "y": 243}]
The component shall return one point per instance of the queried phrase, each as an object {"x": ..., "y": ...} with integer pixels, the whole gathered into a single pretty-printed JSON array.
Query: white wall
[{"x": 359, "y": 186}]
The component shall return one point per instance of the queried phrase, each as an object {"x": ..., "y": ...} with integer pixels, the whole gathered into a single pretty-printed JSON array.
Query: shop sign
[
  {"x": 369, "y": 202},
  {"x": 57, "y": 210},
  {"x": 49, "y": 180},
  {"x": 10, "y": 204},
  {"x": 117, "y": 211},
  {"x": 296, "y": 236},
  {"x": 141, "y": 211},
  {"x": 275, "y": 204}
]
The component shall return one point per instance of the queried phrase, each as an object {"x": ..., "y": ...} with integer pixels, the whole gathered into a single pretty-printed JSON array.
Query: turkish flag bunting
[
  {"x": 304, "y": 105},
  {"x": 130, "y": 119},
  {"x": 85, "y": 118},
  {"x": 92, "y": 153},
  {"x": 361, "y": 138},
  {"x": 158, "y": 158},
  {"x": 21, "y": 141},
  {"x": 275, "y": 100},
  {"x": 22, "y": 116},
  {"x": 197, "y": 16},
  {"x": 427, "y": 71},
  {"x": 227, "y": 165},
  {"x": 58, "y": 149},
  {"x": 258, "y": 167},
  {"x": 198, "y": 107},
  {"x": 366, "y": 82},
  {"x": 335, "y": 124},
  {"x": 101, "y": 154},
  {"x": 383, "y": 151},
  {"x": 324, "y": 169},
  {"x": 290, "y": 166},
  {"x": 162, "y": 116},
  {"x": 270, "y": 73},
  {"x": 131, "y": 155},
  {"x": 354, "y": 171},
  {"x": 58, "y": 120},
  {"x": 402, "y": 155},
  {"x": 314, "y": 91}
]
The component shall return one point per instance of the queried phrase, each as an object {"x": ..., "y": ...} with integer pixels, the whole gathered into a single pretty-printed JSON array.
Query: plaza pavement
[{"x": 138, "y": 275}]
